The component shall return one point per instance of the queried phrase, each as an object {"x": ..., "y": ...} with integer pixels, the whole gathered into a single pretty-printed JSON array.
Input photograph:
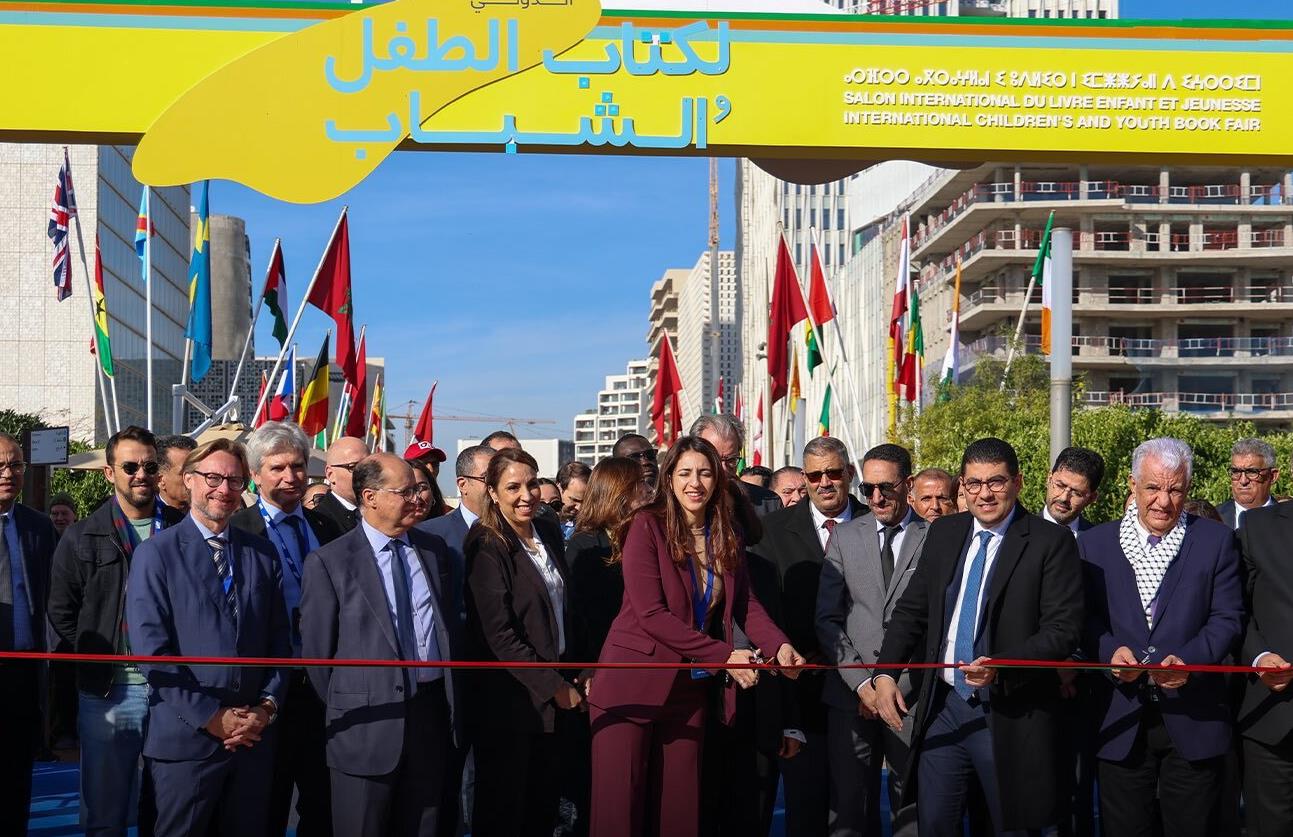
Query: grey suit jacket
[
  {"x": 344, "y": 615},
  {"x": 853, "y": 605}
]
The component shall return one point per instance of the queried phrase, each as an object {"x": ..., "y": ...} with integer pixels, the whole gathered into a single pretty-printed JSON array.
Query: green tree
[
  {"x": 1020, "y": 414},
  {"x": 87, "y": 488}
]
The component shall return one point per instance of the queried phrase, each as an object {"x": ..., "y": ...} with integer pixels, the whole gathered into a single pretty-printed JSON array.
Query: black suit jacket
[
  {"x": 791, "y": 544},
  {"x": 510, "y": 617},
  {"x": 596, "y": 593},
  {"x": 1264, "y": 540},
  {"x": 1033, "y": 609},
  {"x": 344, "y": 518}
]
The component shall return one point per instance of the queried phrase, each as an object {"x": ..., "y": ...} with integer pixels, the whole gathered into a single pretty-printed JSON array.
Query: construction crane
[
  {"x": 410, "y": 417},
  {"x": 715, "y": 335}
]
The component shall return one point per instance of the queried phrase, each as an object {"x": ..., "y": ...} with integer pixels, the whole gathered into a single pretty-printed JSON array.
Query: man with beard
[
  {"x": 1074, "y": 484},
  {"x": 171, "y": 453},
  {"x": 85, "y": 610},
  {"x": 203, "y": 588}
]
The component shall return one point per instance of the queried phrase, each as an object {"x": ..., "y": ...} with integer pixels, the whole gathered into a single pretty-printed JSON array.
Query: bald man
[{"x": 340, "y": 504}]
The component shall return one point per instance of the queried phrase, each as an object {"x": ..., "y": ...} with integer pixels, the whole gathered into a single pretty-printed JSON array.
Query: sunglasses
[
  {"x": 833, "y": 474},
  {"x": 886, "y": 489},
  {"x": 151, "y": 468},
  {"x": 644, "y": 455}
]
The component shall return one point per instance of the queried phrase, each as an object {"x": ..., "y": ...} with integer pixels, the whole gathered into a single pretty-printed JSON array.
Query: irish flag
[{"x": 1042, "y": 273}]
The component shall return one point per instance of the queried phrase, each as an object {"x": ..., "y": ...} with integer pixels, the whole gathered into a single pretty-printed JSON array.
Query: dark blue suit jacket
[
  {"x": 1199, "y": 618},
  {"x": 452, "y": 529},
  {"x": 174, "y": 605},
  {"x": 345, "y": 615}
]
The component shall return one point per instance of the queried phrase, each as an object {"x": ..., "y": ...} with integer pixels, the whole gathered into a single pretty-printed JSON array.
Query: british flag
[{"x": 60, "y": 215}]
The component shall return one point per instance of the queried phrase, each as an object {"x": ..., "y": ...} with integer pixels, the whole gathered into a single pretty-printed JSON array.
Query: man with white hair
[
  {"x": 1253, "y": 473},
  {"x": 1162, "y": 587},
  {"x": 726, "y": 433},
  {"x": 278, "y": 453}
]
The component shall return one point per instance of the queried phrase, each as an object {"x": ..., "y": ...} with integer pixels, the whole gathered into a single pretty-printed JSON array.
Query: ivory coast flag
[
  {"x": 102, "y": 344},
  {"x": 1042, "y": 273},
  {"x": 313, "y": 413}
]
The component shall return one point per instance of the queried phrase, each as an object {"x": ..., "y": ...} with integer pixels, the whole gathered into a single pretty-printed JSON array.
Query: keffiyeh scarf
[{"x": 1149, "y": 563}]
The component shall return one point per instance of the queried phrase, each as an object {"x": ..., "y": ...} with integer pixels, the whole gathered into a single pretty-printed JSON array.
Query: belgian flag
[{"x": 313, "y": 413}]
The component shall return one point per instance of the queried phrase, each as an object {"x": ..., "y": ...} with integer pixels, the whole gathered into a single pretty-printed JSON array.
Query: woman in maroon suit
[{"x": 685, "y": 584}]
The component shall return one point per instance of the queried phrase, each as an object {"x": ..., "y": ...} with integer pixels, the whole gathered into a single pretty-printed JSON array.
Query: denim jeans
[{"x": 112, "y": 742}]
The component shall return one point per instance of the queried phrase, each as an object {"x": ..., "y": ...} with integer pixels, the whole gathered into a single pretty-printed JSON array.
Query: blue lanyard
[
  {"x": 271, "y": 526},
  {"x": 700, "y": 602}
]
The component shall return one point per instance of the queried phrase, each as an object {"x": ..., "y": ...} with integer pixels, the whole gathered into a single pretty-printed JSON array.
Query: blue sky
[{"x": 520, "y": 281}]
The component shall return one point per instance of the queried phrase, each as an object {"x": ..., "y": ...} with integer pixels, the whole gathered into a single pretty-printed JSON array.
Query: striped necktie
[{"x": 225, "y": 570}]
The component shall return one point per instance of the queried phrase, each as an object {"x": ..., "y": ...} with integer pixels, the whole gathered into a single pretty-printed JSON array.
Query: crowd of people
[{"x": 953, "y": 625}]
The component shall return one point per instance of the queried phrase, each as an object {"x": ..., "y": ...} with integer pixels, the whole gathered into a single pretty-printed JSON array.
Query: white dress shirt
[
  {"x": 994, "y": 547},
  {"x": 553, "y": 581},
  {"x": 1072, "y": 524},
  {"x": 819, "y": 521},
  {"x": 1239, "y": 510}
]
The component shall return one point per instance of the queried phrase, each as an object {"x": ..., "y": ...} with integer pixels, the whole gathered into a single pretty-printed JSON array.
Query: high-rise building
[
  {"x": 662, "y": 321},
  {"x": 623, "y": 406},
  {"x": 695, "y": 332},
  {"x": 45, "y": 364}
]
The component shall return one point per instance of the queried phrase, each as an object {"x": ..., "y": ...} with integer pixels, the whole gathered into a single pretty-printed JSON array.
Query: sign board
[
  {"x": 47, "y": 446},
  {"x": 302, "y": 100}
]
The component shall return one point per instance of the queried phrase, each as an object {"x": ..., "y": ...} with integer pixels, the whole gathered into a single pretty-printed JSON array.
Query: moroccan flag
[
  {"x": 1042, "y": 273},
  {"x": 819, "y": 298},
  {"x": 756, "y": 435},
  {"x": 102, "y": 344},
  {"x": 313, "y": 413},
  {"x": 275, "y": 293},
  {"x": 897, "y": 334},
  {"x": 787, "y": 309},
  {"x": 814, "y": 353},
  {"x": 260, "y": 396},
  {"x": 330, "y": 293},
  {"x": 281, "y": 405},
  {"x": 357, "y": 421},
  {"x": 377, "y": 415},
  {"x": 824, "y": 422},
  {"x": 424, "y": 433},
  {"x": 951, "y": 360},
  {"x": 144, "y": 229},
  {"x": 199, "y": 325},
  {"x": 668, "y": 389}
]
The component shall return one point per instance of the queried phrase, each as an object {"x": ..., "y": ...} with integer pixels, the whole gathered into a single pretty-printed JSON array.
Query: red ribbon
[{"x": 293, "y": 662}]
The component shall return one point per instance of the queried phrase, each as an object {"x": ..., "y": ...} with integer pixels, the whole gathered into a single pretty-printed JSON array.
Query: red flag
[
  {"x": 331, "y": 295},
  {"x": 264, "y": 385},
  {"x": 668, "y": 387},
  {"x": 424, "y": 434},
  {"x": 787, "y": 309},
  {"x": 819, "y": 298},
  {"x": 897, "y": 332},
  {"x": 357, "y": 421}
]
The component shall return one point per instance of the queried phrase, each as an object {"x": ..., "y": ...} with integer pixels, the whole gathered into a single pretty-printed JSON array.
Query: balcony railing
[
  {"x": 1222, "y": 194},
  {"x": 1138, "y": 347},
  {"x": 1204, "y": 402}
]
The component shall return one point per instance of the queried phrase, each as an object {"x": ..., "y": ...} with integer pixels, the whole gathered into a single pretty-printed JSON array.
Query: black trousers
[
  {"x": 300, "y": 761},
  {"x": 1268, "y": 788},
  {"x": 518, "y": 783},
  {"x": 20, "y": 731},
  {"x": 1187, "y": 790},
  {"x": 417, "y": 798},
  {"x": 738, "y": 780},
  {"x": 858, "y": 749}
]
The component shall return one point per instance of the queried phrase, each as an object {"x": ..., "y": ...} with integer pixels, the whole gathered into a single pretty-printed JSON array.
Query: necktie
[
  {"x": 968, "y": 619},
  {"x": 302, "y": 542},
  {"x": 1154, "y": 540},
  {"x": 225, "y": 570},
  {"x": 886, "y": 553},
  {"x": 403, "y": 603},
  {"x": 7, "y": 631},
  {"x": 829, "y": 525}
]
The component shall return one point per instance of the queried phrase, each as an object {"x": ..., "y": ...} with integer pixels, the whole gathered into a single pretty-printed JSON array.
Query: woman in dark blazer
[
  {"x": 516, "y": 611},
  {"x": 685, "y": 585}
]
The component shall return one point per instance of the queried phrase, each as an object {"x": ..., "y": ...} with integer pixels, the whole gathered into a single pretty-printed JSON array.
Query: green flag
[
  {"x": 814, "y": 351},
  {"x": 824, "y": 422}
]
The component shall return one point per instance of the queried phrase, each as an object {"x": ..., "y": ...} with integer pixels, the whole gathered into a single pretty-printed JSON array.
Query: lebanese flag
[
  {"x": 424, "y": 434},
  {"x": 787, "y": 310},
  {"x": 330, "y": 293},
  {"x": 668, "y": 388}
]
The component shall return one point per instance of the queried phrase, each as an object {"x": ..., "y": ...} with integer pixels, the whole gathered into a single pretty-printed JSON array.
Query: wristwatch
[{"x": 270, "y": 706}]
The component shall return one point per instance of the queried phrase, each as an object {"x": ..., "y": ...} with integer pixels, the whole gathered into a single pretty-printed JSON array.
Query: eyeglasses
[
  {"x": 1254, "y": 474},
  {"x": 349, "y": 466},
  {"x": 833, "y": 474},
  {"x": 16, "y": 467},
  {"x": 994, "y": 484},
  {"x": 886, "y": 489},
  {"x": 472, "y": 477},
  {"x": 730, "y": 462},
  {"x": 644, "y": 455},
  {"x": 131, "y": 468},
  {"x": 1069, "y": 491},
  {"x": 422, "y": 488},
  {"x": 408, "y": 495},
  {"x": 213, "y": 480}
]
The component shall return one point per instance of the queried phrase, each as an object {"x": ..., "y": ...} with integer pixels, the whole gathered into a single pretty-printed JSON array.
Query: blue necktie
[
  {"x": 965, "y": 624},
  {"x": 403, "y": 603},
  {"x": 302, "y": 542}
]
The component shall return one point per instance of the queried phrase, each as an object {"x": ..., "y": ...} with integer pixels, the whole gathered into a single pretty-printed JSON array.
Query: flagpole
[
  {"x": 830, "y": 368},
  {"x": 850, "y": 383},
  {"x": 89, "y": 291},
  {"x": 255, "y": 316},
  {"x": 148, "y": 298},
  {"x": 1042, "y": 254},
  {"x": 305, "y": 300}
]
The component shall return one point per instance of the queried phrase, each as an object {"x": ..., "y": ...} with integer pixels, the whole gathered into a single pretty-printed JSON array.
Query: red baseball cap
[{"x": 424, "y": 450}]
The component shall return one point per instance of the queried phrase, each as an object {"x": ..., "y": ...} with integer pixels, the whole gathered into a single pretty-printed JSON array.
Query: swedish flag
[{"x": 199, "y": 326}]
